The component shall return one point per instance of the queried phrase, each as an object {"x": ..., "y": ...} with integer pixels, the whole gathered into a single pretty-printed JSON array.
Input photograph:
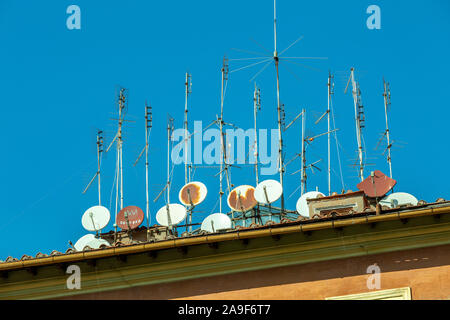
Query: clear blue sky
[{"x": 58, "y": 86}]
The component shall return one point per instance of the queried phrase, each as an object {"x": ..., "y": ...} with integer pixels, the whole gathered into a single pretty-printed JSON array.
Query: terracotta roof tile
[
  {"x": 11, "y": 259},
  {"x": 69, "y": 251},
  {"x": 26, "y": 257},
  {"x": 55, "y": 253}
]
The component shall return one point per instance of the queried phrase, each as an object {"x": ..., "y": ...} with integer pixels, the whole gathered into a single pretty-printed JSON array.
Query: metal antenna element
[
  {"x": 223, "y": 157},
  {"x": 293, "y": 121},
  {"x": 276, "y": 57},
  {"x": 306, "y": 141},
  {"x": 303, "y": 154},
  {"x": 148, "y": 126},
  {"x": 327, "y": 113},
  {"x": 99, "y": 161},
  {"x": 279, "y": 111},
  {"x": 387, "y": 103},
  {"x": 359, "y": 120},
  {"x": 170, "y": 128},
  {"x": 122, "y": 102},
  {"x": 256, "y": 108},
  {"x": 187, "y": 164}
]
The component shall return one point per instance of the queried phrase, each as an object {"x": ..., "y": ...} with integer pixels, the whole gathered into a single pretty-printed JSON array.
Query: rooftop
[{"x": 301, "y": 224}]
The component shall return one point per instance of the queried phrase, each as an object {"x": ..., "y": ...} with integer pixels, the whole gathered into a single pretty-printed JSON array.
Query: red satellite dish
[
  {"x": 130, "y": 218},
  {"x": 377, "y": 184}
]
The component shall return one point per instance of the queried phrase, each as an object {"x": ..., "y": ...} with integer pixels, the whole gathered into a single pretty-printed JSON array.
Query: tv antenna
[
  {"x": 166, "y": 210},
  {"x": 387, "y": 103},
  {"x": 224, "y": 166},
  {"x": 327, "y": 113},
  {"x": 122, "y": 102},
  {"x": 267, "y": 60},
  {"x": 359, "y": 119},
  {"x": 187, "y": 165},
  {"x": 256, "y": 108},
  {"x": 166, "y": 188},
  {"x": 306, "y": 141},
  {"x": 99, "y": 161},
  {"x": 148, "y": 127}
]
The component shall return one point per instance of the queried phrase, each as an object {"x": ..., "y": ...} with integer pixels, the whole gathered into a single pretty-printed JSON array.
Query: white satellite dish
[
  {"x": 242, "y": 198},
  {"x": 83, "y": 241},
  {"x": 192, "y": 193},
  {"x": 95, "y": 218},
  {"x": 302, "y": 205},
  {"x": 96, "y": 243},
  {"x": 399, "y": 199},
  {"x": 268, "y": 191},
  {"x": 176, "y": 212},
  {"x": 216, "y": 222}
]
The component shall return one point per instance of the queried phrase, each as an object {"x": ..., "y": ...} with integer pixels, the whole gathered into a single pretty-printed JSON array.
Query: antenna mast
[
  {"x": 303, "y": 167},
  {"x": 359, "y": 120},
  {"x": 330, "y": 92},
  {"x": 148, "y": 125},
  {"x": 280, "y": 142},
  {"x": 120, "y": 142},
  {"x": 97, "y": 174},
  {"x": 223, "y": 157},
  {"x": 387, "y": 102},
  {"x": 169, "y": 133},
  {"x": 187, "y": 167},
  {"x": 99, "y": 151},
  {"x": 256, "y": 107}
]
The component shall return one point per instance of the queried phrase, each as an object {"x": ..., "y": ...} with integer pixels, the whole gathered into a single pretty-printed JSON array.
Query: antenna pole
[
  {"x": 99, "y": 161},
  {"x": 256, "y": 107},
  {"x": 120, "y": 143},
  {"x": 387, "y": 102},
  {"x": 280, "y": 147},
  {"x": 169, "y": 129},
  {"x": 303, "y": 167},
  {"x": 330, "y": 92},
  {"x": 187, "y": 167},
  {"x": 99, "y": 151},
  {"x": 148, "y": 125},
  {"x": 275, "y": 26},
  {"x": 358, "y": 119},
  {"x": 224, "y": 71}
]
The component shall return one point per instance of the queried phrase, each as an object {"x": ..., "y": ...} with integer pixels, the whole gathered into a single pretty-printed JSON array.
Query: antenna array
[
  {"x": 243, "y": 198},
  {"x": 99, "y": 160}
]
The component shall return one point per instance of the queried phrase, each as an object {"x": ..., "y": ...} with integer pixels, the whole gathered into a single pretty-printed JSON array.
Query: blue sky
[{"x": 58, "y": 86}]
